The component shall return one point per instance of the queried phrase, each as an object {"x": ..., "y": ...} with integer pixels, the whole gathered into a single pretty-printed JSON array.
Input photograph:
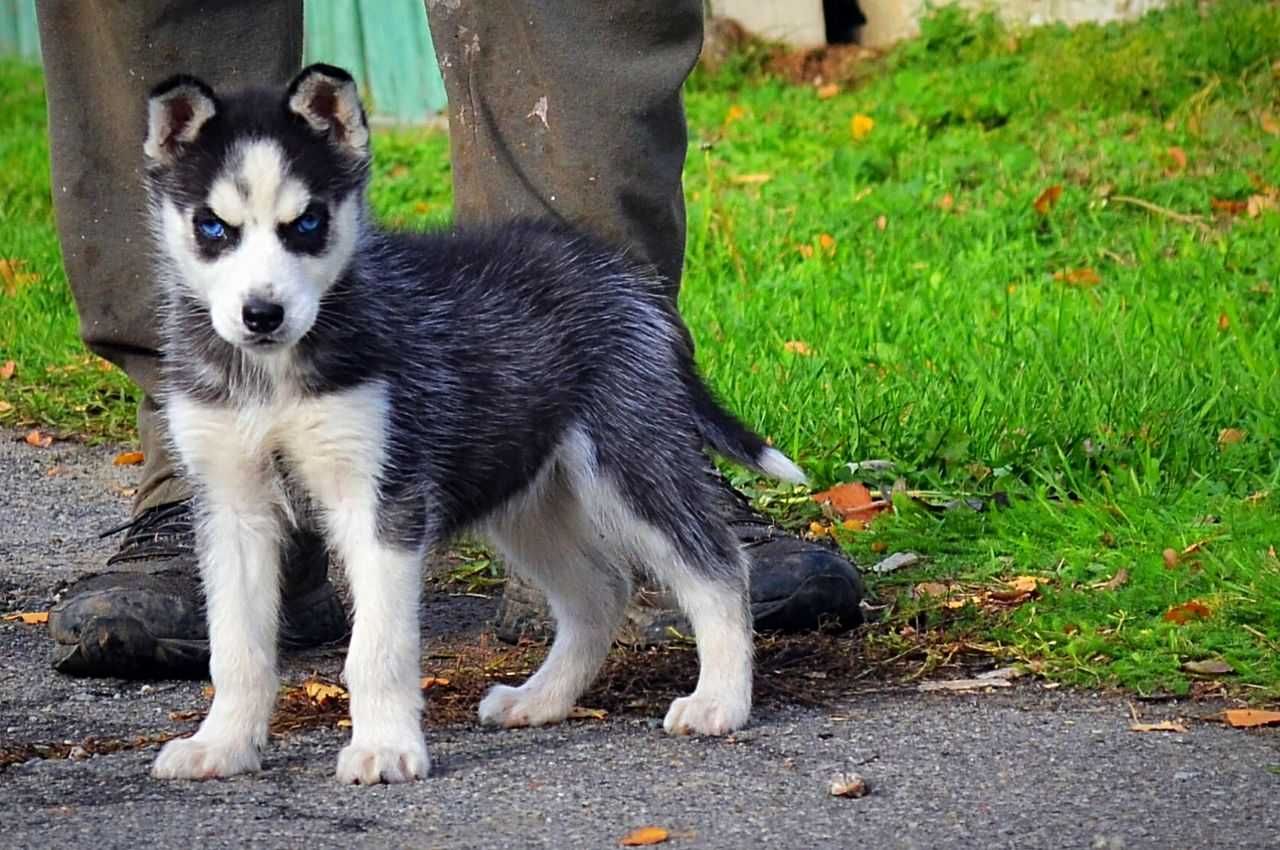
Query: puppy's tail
[{"x": 729, "y": 437}]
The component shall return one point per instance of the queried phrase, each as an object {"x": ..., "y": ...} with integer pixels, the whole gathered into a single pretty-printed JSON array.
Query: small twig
[{"x": 1184, "y": 218}]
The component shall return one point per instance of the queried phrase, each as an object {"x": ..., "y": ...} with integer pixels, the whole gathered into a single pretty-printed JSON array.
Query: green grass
[{"x": 937, "y": 334}]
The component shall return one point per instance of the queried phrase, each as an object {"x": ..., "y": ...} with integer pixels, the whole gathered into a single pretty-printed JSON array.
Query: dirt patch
[{"x": 843, "y": 64}]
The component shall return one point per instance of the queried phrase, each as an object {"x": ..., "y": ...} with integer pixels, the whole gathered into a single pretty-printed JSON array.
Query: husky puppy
[{"x": 518, "y": 380}]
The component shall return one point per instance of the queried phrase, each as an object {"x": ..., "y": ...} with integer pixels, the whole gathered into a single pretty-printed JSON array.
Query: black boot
[{"x": 146, "y": 617}]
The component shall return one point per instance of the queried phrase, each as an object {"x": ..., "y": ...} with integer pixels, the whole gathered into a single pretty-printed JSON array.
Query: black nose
[{"x": 262, "y": 317}]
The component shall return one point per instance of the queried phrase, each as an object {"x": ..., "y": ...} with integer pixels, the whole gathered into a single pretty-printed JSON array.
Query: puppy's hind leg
[
  {"x": 551, "y": 544},
  {"x": 686, "y": 546},
  {"x": 238, "y": 540}
]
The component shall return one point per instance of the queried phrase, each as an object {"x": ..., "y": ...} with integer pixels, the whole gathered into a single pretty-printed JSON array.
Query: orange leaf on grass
[
  {"x": 1047, "y": 199},
  {"x": 1229, "y": 207},
  {"x": 644, "y": 836},
  {"x": 1231, "y": 436},
  {"x": 1188, "y": 611},
  {"x": 12, "y": 277},
  {"x": 1078, "y": 277},
  {"x": 861, "y": 126},
  {"x": 1179, "y": 159},
  {"x": 828, "y": 91},
  {"x": 851, "y": 501},
  {"x": 797, "y": 346},
  {"x": 7, "y": 370}
]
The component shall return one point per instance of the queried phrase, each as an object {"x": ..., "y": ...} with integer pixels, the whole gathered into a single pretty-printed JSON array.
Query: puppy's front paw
[
  {"x": 369, "y": 764},
  {"x": 512, "y": 707},
  {"x": 188, "y": 758},
  {"x": 702, "y": 715}
]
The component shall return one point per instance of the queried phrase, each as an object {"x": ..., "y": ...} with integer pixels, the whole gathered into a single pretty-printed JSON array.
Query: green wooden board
[{"x": 384, "y": 43}]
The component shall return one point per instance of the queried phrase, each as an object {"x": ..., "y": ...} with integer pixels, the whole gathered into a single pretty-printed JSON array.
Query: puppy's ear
[
  {"x": 176, "y": 110},
  {"x": 327, "y": 99}
]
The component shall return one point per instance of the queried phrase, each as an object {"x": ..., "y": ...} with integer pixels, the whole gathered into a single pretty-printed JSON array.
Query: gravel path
[{"x": 1020, "y": 768}]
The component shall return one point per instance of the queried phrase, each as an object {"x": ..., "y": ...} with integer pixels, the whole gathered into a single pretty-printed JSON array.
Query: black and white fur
[{"x": 520, "y": 380}]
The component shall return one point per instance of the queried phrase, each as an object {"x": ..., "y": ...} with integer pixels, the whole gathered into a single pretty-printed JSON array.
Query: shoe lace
[
  {"x": 751, "y": 527},
  {"x": 164, "y": 531}
]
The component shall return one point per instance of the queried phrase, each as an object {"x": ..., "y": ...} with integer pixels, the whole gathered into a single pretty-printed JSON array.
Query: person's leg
[
  {"x": 572, "y": 109},
  {"x": 100, "y": 60}
]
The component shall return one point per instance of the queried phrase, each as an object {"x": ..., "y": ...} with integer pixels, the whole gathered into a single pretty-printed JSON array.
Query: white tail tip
[{"x": 774, "y": 463}]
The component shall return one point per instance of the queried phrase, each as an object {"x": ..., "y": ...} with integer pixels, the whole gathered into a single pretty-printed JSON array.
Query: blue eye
[
  {"x": 307, "y": 223},
  {"x": 211, "y": 228}
]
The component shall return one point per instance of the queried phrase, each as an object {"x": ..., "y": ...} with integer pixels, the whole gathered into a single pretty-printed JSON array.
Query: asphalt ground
[{"x": 1021, "y": 767}]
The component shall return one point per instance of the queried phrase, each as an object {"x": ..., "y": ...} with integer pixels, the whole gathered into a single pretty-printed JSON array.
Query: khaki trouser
[{"x": 565, "y": 108}]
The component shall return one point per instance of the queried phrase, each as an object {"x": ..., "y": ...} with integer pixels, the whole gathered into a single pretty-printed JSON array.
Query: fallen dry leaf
[
  {"x": 1083, "y": 278},
  {"x": 1257, "y": 204},
  {"x": 861, "y": 126},
  {"x": 129, "y": 459},
  {"x": 896, "y": 561},
  {"x": 1019, "y": 589},
  {"x": 750, "y": 179},
  {"x": 946, "y": 202},
  {"x": 1162, "y": 726},
  {"x": 1179, "y": 159},
  {"x": 1231, "y": 436},
  {"x": 1170, "y": 558},
  {"x": 827, "y": 243},
  {"x": 828, "y": 91},
  {"x": 39, "y": 440},
  {"x": 964, "y": 685},
  {"x": 7, "y": 370},
  {"x": 796, "y": 346},
  {"x": 1224, "y": 322},
  {"x": 1118, "y": 580},
  {"x": 1047, "y": 199},
  {"x": 1269, "y": 123},
  {"x": 882, "y": 223},
  {"x": 580, "y": 713},
  {"x": 644, "y": 836},
  {"x": 433, "y": 682},
  {"x": 29, "y": 618},
  {"x": 186, "y": 715},
  {"x": 1197, "y": 546},
  {"x": 57, "y": 471},
  {"x": 322, "y": 692},
  {"x": 1229, "y": 207},
  {"x": 735, "y": 113},
  {"x": 848, "y": 785},
  {"x": 1247, "y": 718},
  {"x": 932, "y": 588},
  {"x": 1209, "y": 667},
  {"x": 851, "y": 500},
  {"x": 12, "y": 277},
  {"x": 5, "y": 407},
  {"x": 1188, "y": 611}
]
